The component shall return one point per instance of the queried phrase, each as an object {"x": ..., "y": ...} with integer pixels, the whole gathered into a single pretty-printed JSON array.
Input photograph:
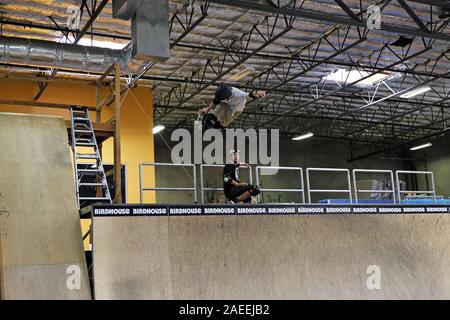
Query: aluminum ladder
[{"x": 90, "y": 175}]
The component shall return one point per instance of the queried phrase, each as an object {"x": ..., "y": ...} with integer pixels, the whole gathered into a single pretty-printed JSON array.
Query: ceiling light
[
  {"x": 243, "y": 73},
  {"x": 415, "y": 92},
  {"x": 343, "y": 77},
  {"x": 303, "y": 136},
  {"x": 158, "y": 129},
  {"x": 422, "y": 146}
]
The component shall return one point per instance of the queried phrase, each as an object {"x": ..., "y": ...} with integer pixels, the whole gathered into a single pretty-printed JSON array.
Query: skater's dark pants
[{"x": 234, "y": 193}]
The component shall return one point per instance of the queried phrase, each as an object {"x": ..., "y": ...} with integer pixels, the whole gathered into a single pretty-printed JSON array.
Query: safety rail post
[
  {"x": 202, "y": 186},
  {"x": 302, "y": 187},
  {"x": 355, "y": 186},
  {"x": 155, "y": 164},
  {"x": 349, "y": 190},
  {"x": 426, "y": 173}
]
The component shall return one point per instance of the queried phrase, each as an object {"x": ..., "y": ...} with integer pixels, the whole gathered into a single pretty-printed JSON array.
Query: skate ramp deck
[
  {"x": 40, "y": 233},
  {"x": 272, "y": 257}
]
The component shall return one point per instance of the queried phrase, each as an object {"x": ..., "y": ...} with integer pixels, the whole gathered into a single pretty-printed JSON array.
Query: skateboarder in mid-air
[
  {"x": 228, "y": 104},
  {"x": 235, "y": 190}
]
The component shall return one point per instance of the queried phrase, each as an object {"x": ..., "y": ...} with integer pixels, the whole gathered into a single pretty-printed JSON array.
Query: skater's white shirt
[{"x": 228, "y": 110}]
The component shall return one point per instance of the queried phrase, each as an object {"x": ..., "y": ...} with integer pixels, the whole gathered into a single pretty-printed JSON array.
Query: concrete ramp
[
  {"x": 349, "y": 256},
  {"x": 41, "y": 252}
]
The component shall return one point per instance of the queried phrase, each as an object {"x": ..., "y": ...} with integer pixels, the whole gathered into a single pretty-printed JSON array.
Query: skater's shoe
[{"x": 230, "y": 202}]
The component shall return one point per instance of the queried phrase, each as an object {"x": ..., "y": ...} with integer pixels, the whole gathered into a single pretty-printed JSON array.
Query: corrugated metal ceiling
[{"x": 287, "y": 56}]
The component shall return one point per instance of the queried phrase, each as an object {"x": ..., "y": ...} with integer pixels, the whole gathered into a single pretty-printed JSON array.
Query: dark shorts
[{"x": 237, "y": 191}]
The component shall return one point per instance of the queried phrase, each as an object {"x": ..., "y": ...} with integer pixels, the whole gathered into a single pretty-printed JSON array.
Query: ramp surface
[
  {"x": 39, "y": 224},
  {"x": 273, "y": 257}
]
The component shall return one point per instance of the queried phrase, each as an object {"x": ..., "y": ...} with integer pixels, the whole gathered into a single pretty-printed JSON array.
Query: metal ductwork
[
  {"x": 149, "y": 27},
  {"x": 150, "y": 42},
  {"x": 67, "y": 56}
]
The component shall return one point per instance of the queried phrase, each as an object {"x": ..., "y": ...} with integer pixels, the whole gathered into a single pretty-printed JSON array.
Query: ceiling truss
[{"x": 287, "y": 47}]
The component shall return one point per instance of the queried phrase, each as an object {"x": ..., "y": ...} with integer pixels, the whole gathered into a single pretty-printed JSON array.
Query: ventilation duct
[
  {"x": 42, "y": 53},
  {"x": 149, "y": 27},
  {"x": 150, "y": 42}
]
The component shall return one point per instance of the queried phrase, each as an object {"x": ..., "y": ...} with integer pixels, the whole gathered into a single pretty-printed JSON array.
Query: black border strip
[{"x": 281, "y": 209}]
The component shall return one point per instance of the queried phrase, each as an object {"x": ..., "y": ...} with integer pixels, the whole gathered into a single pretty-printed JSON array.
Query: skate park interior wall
[
  {"x": 306, "y": 154},
  {"x": 435, "y": 159},
  {"x": 136, "y": 122},
  {"x": 245, "y": 257}
]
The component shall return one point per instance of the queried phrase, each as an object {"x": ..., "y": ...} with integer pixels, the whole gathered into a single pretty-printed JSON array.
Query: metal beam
[
  {"x": 265, "y": 56},
  {"x": 44, "y": 85},
  {"x": 437, "y": 123},
  {"x": 107, "y": 73},
  {"x": 331, "y": 18},
  {"x": 39, "y": 104},
  {"x": 349, "y": 110},
  {"x": 282, "y": 68},
  {"x": 363, "y": 122},
  {"x": 397, "y": 146},
  {"x": 313, "y": 47},
  {"x": 437, "y": 3},
  {"x": 79, "y": 36},
  {"x": 117, "y": 146},
  {"x": 420, "y": 108},
  {"x": 43, "y": 79},
  {"x": 412, "y": 14},
  {"x": 321, "y": 98},
  {"x": 239, "y": 59},
  {"x": 271, "y": 3},
  {"x": 91, "y": 20},
  {"x": 349, "y": 11}
]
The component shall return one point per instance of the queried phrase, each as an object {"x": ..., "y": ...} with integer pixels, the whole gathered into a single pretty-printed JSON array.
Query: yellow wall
[
  {"x": 136, "y": 140},
  {"x": 136, "y": 122}
]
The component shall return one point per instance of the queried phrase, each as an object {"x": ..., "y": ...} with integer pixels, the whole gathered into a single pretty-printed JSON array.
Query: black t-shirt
[{"x": 230, "y": 173}]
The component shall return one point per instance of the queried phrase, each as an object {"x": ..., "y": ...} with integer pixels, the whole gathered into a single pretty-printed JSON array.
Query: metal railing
[
  {"x": 426, "y": 173},
  {"x": 349, "y": 183},
  {"x": 302, "y": 186},
  {"x": 202, "y": 186},
  {"x": 355, "y": 185},
  {"x": 395, "y": 181},
  {"x": 150, "y": 164}
]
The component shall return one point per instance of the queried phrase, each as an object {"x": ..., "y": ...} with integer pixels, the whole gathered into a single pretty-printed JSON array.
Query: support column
[
  {"x": 98, "y": 115},
  {"x": 117, "y": 151}
]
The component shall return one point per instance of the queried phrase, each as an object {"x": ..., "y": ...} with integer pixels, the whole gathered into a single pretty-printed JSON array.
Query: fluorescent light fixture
[
  {"x": 415, "y": 92},
  {"x": 303, "y": 136},
  {"x": 343, "y": 77},
  {"x": 242, "y": 74},
  {"x": 158, "y": 129},
  {"x": 422, "y": 146}
]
